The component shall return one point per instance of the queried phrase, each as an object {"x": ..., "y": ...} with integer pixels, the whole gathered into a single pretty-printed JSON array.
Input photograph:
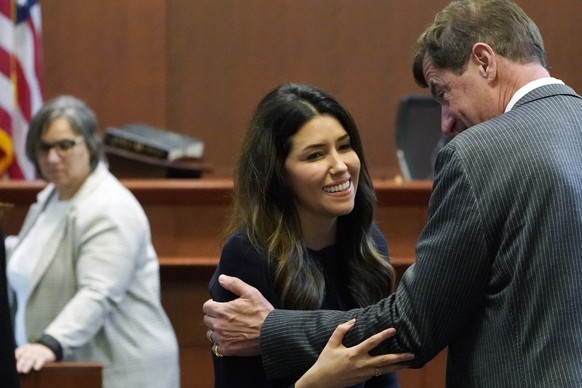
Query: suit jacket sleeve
[{"x": 435, "y": 297}]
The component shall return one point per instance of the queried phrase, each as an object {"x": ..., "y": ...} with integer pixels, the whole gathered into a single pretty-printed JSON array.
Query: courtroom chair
[{"x": 418, "y": 136}]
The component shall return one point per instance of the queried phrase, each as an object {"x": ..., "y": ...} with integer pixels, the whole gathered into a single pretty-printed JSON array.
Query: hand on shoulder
[{"x": 235, "y": 326}]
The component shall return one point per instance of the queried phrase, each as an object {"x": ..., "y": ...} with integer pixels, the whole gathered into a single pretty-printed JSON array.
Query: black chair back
[{"x": 418, "y": 136}]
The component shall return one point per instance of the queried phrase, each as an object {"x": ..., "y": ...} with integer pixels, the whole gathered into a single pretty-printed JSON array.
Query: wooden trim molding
[{"x": 213, "y": 191}]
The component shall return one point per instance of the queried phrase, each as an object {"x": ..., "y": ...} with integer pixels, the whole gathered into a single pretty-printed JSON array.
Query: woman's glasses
[{"x": 62, "y": 147}]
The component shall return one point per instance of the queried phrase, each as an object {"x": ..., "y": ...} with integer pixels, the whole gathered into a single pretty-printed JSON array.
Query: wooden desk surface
[{"x": 64, "y": 375}]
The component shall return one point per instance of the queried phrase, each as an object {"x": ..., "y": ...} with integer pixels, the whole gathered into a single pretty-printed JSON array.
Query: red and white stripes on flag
[{"x": 20, "y": 83}]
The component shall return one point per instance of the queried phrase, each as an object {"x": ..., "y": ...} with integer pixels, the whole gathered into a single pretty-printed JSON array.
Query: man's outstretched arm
[{"x": 235, "y": 328}]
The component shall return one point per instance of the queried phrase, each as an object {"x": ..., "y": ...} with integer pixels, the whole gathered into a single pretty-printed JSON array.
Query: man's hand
[
  {"x": 32, "y": 356},
  {"x": 235, "y": 326}
]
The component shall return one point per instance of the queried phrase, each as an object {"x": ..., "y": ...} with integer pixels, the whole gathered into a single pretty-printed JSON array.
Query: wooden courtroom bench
[
  {"x": 187, "y": 217},
  {"x": 64, "y": 375}
]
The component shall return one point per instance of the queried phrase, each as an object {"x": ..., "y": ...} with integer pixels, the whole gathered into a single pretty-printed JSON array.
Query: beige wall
[{"x": 200, "y": 66}]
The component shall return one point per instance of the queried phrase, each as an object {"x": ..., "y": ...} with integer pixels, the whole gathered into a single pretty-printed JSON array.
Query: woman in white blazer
[{"x": 83, "y": 274}]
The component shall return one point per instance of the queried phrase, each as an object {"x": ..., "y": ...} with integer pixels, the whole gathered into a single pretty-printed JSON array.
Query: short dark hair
[{"x": 501, "y": 24}]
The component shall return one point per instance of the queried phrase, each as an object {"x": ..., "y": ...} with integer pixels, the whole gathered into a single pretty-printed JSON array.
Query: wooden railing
[
  {"x": 187, "y": 217},
  {"x": 64, "y": 375}
]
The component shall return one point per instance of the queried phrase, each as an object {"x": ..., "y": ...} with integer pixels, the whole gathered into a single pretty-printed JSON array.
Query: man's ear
[{"x": 484, "y": 57}]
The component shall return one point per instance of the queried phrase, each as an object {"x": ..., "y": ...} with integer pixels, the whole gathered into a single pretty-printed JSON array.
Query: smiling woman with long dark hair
[{"x": 302, "y": 229}]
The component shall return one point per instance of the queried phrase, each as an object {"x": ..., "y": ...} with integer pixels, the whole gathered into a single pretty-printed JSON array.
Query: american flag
[{"x": 20, "y": 83}]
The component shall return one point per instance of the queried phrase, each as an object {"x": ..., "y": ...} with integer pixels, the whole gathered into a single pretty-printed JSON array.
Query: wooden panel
[
  {"x": 187, "y": 217},
  {"x": 184, "y": 290},
  {"x": 64, "y": 375},
  {"x": 110, "y": 53},
  {"x": 200, "y": 67},
  {"x": 225, "y": 55},
  {"x": 559, "y": 25},
  {"x": 196, "y": 367}
]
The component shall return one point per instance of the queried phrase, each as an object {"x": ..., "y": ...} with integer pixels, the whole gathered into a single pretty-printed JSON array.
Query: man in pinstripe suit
[{"x": 498, "y": 273}]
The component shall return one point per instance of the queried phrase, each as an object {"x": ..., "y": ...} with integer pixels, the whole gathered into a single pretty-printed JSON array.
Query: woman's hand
[
  {"x": 338, "y": 366},
  {"x": 32, "y": 356}
]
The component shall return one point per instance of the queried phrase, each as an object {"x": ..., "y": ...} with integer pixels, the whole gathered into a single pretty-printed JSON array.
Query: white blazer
[{"x": 97, "y": 289}]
